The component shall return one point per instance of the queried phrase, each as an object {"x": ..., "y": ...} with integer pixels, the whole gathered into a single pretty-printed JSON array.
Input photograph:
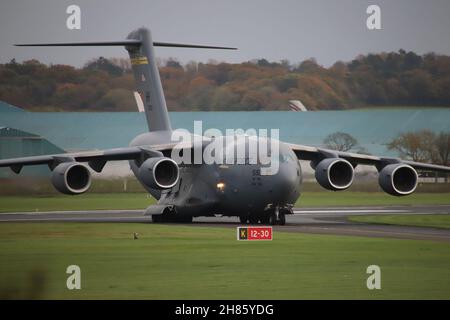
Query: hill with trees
[{"x": 395, "y": 78}]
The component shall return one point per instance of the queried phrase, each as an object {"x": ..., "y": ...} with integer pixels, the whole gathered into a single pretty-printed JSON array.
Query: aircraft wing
[
  {"x": 95, "y": 159},
  {"x": 317, "y": 154}
]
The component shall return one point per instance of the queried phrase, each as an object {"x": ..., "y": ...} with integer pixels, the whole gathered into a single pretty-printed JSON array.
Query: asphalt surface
[{"x": 305, "y": 220}]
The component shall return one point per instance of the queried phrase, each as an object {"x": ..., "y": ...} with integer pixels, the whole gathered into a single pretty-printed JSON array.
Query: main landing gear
[
  {"x": 171, "y": 217},
  {"x": 273, "y": 216},
  {"x": 277, "y": 216}
]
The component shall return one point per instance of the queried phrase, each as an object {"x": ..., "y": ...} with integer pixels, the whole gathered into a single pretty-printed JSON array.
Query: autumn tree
[
  {"x": 417, "y": 146},
  {"x": 442, "y": 143},
  {"x": 173, "y": 63},
  {"x": 340, "y": 141},
  {"x": 104, "y": 65}
]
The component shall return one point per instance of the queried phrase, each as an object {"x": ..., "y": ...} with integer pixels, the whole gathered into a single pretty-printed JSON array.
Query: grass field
[
  {"x": 88, "y": 201},
  {"x": 182, "y": 262},
  {"x": 429, "y": 220},
  {"x": 92, "y": 201}
]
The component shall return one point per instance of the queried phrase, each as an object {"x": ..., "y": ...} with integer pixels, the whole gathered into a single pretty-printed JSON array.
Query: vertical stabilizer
[
  {"x": 147, "y": 79},
  {"x": 297, "y": 105}
]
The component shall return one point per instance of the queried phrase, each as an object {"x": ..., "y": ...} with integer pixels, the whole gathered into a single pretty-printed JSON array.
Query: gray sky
[{"x": 286, "y": 29}]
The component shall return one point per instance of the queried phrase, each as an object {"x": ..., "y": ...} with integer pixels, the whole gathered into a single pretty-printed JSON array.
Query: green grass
[
  {"x": 88, "y": 201},
  {"x": 348, "y": 198},
  {"x": 185, "y": 262},
  {"x": 428, "y": 220},
  {"x": 93, "y": 201}
]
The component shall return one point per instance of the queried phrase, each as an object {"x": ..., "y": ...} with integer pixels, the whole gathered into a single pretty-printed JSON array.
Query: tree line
[
  {"x": 421, "y": 146},
  {"x": 395, "y": 78}
]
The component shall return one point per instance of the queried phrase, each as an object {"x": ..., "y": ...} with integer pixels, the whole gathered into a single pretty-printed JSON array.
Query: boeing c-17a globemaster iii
[{"x": 184, "y": 189}]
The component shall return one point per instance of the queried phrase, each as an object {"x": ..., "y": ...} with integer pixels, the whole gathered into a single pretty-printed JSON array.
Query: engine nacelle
[
  {"x": 159, "y": 173},
  {"x": 334, "y": 174},
  {"x": 398, "y": 179},
  {"x": 71, "y": 178}
]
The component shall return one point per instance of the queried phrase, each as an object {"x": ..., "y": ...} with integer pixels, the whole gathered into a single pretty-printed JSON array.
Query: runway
[{"x": 305, "y": 220}]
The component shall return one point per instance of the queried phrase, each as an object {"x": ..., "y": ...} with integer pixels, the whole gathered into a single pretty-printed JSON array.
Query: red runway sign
[{"x": 254, "y": 233}]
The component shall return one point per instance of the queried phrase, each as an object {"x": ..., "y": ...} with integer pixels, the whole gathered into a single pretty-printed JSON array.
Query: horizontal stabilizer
[
  {"x": 82, "y": 44},
  {"x": 182, "y": 45},
  {"x": 120, "y": 43}
]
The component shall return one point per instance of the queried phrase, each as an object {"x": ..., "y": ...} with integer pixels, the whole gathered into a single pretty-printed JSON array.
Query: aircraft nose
[{"x": 285, "y": 182}]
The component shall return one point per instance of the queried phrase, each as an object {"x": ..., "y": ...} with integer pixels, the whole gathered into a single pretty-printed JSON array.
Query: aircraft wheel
[
  {"x": 282, "y": 219},
  {"x": 178, "y": 219},
  {"x": 265, "y": 219},
  {"x": 273, "y": 219},
  {"x": 253, "y": 220},
  {"x": 156, "y": 218},
  {"x": 243, "y": 219}
]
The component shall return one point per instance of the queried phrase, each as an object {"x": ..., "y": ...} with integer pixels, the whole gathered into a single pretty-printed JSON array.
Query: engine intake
[
  {"x": 71, "y": 178},
  {"x": 159, "y": 173},
  {"x": 334, "y": 174},
  {"x": 398, "y": 179}
]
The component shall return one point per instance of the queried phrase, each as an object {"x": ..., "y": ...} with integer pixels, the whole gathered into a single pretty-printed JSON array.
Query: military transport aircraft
[{"x": 187, "y": 190}]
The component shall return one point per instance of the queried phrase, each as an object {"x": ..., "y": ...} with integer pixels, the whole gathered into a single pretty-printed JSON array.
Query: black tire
[
  {"x": 265, "y": 219},
  {"x": 253, "y": 220},
  {"x": 156, "y": 218},
  {"x": 187, "y": 219},
  {"x": 243, "y": 219},
  {"x": 282, "y": 219},
  {"x": 174, "y": 218},
  {"x": 273, "y": 219}
]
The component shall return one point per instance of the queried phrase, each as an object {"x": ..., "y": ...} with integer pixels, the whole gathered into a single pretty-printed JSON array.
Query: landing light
[{"x": 220, "y": 186}]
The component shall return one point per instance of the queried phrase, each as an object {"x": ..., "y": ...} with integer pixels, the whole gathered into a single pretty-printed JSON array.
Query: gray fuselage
[{"x": 244, "y": 188}]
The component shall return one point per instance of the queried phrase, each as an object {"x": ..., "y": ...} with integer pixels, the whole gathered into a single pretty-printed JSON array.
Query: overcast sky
[{"x": 328, "y": 30}]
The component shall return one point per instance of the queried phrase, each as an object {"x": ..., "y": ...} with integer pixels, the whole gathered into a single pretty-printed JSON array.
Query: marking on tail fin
[
  {"x": 139, "y": 60},
  {"x": 139, "y": 102}
]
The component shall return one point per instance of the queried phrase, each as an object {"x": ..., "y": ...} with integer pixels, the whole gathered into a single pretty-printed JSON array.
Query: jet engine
[
  {"x": 159, "y": 173},
  {"x": 398, "y": 179},
  {"x": 71, "y": 178},
  {"x": 334, "y": 174}
]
